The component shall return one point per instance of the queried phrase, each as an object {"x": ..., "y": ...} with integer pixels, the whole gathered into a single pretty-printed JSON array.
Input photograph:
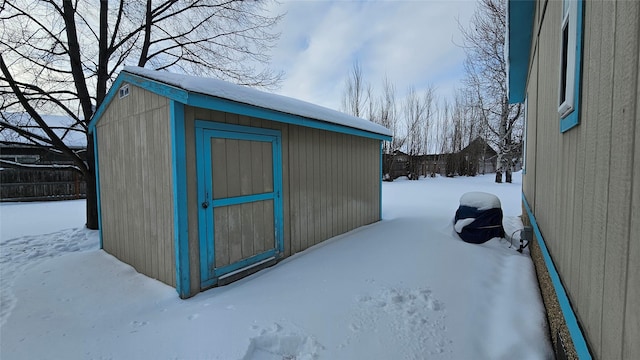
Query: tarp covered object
[{"x": 479, "y": 217}]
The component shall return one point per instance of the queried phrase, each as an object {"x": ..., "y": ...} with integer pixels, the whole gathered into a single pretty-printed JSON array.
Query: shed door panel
[
  {"x": 242, "y": 231},
  {"x": 239, "y": 176},
  {"x": 248, "y": 164}
]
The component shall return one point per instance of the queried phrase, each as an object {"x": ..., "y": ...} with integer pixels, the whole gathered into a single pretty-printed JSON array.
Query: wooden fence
[{"x": 38, "y": 185}]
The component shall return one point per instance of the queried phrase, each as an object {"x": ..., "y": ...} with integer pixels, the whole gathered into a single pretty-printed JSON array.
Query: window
[
  {"x": 570, "y": 64},
  {"x": 124, "y": 91}
]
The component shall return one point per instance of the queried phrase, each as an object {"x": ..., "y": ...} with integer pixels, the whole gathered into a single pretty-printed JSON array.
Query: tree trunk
[
  {"x": 92, "y": 194},
  {"x": 508, "y": 176},
  {"x": 498, "y": 176}
]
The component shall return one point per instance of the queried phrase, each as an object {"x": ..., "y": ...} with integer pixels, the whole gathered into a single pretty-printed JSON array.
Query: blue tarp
[{"x": 487, "y": 224}]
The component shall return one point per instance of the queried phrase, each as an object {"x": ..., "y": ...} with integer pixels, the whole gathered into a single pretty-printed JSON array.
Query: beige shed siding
[
  {"x": 584, "y": 185},
  {"x": 331, "y": 183},
  {"x": 134, "y": 140}
]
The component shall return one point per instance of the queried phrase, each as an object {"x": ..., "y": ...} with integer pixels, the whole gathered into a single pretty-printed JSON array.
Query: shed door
[{"x": 240, "y": 186}]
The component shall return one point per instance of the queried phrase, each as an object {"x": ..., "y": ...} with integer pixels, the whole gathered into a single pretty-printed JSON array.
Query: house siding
[
  {"x": 331, "y": 182},
  {"x": 583, "y": 185},
  {"x": 134, "y": 159}
]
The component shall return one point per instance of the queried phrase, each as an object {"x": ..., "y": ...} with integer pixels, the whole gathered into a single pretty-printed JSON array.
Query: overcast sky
[{"x": 412, "y": 42}]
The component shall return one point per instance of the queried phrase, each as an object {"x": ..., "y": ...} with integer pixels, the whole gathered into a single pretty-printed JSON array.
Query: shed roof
[{"x": 255, "y": 98}]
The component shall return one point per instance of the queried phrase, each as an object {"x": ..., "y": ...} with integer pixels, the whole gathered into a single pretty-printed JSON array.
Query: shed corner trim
[{"x": 179, "y": 173}]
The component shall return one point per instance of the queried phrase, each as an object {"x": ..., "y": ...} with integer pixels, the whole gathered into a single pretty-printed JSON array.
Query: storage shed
[{"x": 201, "y": 182}]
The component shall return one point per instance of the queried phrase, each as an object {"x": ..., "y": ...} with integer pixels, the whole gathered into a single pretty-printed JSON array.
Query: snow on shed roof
[{"x": 250, "y": 96}]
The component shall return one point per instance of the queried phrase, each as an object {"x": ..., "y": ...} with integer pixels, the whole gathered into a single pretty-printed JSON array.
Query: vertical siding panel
[
  {"x": 235, "y": 233},
  {"x": 304, "y": 188},
  {"x": 315, "y": 174},
  {"x": 337, "y": 183},
  {"x": 232, "y": 167},
  {"x": 221, "y": 236},
  {"x": 528, "y": 179},
  {"x": 601, "y": 190},
  {"x": 631, "y": 345},
  {"x": 258, "y": 226},
  {"x": 219, "y": 161},
  {"x": 231, "y": 118},
  {"x": 244, "y": 166},
  {"x": 324, "y": 186},
  {"x": 294, "y": 188},
  {"x": 331, "y": 188},
  {"x": 346, "y": 191},
  {"x": 619, "y": 210},
  {"x": 244, "y": 120},
  {"x": 285, "y": 189},
  {"x": 168, "y": 181},
  {"x": 246, "y": 230},
  {"x": 150, "y": 246},
  {"x": 589, "y": 302}
]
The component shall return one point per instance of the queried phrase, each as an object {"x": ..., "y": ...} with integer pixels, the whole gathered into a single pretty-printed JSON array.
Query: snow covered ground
[{"x": 404, "y": 288}]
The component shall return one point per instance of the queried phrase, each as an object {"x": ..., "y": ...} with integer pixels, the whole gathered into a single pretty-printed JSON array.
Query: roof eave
[
  {"x": 216, "y": 103},
  {"x": 520, "y": 31}
]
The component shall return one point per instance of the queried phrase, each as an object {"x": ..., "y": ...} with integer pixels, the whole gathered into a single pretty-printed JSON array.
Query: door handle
[{"x": 205, "y": 204}]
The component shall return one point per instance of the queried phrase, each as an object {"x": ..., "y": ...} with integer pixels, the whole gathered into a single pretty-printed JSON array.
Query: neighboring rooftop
[{"x": 246, "y": 95}]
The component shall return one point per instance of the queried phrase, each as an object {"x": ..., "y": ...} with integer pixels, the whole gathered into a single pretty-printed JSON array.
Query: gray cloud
[{"x": 413, "y": 42}]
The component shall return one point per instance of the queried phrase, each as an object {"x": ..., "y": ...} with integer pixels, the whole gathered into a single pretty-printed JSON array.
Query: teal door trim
[{"x": 205, "y": 130}]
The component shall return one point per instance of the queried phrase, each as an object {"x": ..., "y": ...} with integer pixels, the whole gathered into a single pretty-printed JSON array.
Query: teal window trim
[
  {"x": 204, "y": 130},
  {"x": 180, "y": 220},
  {"x": 577, "y": 337},
  {"x": 571, "y": 118}
]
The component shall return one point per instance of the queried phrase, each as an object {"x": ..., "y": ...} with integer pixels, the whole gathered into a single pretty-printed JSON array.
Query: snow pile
[
  {"x": 275, "y": 344},
  {"x": 480, "y": 200},
  {"x": 403, "y": 288}
]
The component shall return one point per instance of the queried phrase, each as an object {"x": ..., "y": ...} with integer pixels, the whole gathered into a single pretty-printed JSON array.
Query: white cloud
[{"x": 413, "y": 42}]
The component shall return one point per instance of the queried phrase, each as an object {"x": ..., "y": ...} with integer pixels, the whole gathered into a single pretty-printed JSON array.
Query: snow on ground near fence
[{"x": 403, "y": 288}]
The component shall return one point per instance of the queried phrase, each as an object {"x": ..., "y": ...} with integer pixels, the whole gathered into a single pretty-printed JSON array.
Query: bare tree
[
  {"x": 60, "y": 57},
  {"x": 388, "y": 117},
  {"x": 417, "y": 111},
  {"x": 355, "y": 95},
  {"x": 486, "y": 70}
]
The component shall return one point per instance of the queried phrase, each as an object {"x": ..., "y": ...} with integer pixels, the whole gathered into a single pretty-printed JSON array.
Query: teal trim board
[
  {"x": 579, "y": 342},
  {"x": 204, "y": 132},
  {"x": 97, "y": 175},
  {"x": 380, "y": 183},
  {"x": 180, "y": 221},
  {"x": 224, "y": 105},
  {"x": 203, "y": 171},
  {"x": 520, "y": 31}
]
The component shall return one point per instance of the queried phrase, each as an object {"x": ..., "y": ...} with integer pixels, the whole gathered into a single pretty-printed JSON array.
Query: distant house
[
  {"x": 575, "y": 64},
  {"x": 201, "y": 182},
  {"x": 476, "y": 158}
]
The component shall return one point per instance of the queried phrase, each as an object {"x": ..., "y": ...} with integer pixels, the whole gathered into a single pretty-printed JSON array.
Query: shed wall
[
  {"x": 136, "y": 186},
  {"x": 584, "y": 185},
  {"x": 331, "y": 182}
]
